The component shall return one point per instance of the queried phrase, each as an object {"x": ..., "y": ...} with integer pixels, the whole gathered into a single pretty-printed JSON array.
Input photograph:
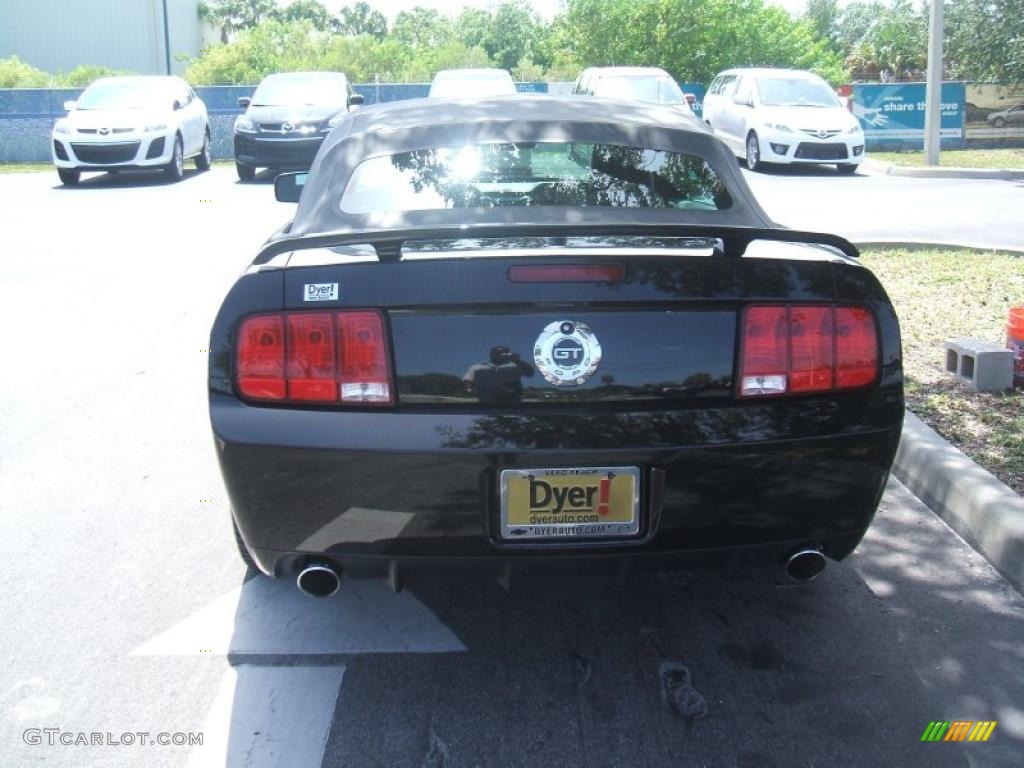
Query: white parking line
[
  {"x": 269, "y": 717},
  {"x": 267, "y": 616}
]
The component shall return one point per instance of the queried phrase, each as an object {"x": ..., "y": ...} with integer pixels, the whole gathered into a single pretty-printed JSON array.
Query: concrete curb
[
  {"x": 975, "y": 504},
  {"x": 927, "y": 172}
]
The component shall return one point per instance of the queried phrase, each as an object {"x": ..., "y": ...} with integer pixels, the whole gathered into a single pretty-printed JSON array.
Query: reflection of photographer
[{"x": 498, "y": 380}]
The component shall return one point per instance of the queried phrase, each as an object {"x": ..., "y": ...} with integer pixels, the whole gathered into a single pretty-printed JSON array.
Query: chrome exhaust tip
[
  {"x": 804, "y": 565},
  {"x": 319, "y": 580}
]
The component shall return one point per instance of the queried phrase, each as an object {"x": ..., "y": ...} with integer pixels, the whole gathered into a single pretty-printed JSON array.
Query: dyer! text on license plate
[{"x": 570, "y": 502}]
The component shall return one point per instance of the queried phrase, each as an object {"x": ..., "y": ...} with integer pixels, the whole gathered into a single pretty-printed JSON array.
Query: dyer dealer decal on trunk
[
  {"x": 320, "y": 292},
  {"x": 586, "y": 502}
]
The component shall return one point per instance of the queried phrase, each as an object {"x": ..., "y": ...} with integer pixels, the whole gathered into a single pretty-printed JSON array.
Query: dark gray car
[{"x": 287, "y": 118}]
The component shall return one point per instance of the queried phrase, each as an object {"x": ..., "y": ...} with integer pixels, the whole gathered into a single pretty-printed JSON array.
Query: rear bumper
[{"x": 719, "y": 484}]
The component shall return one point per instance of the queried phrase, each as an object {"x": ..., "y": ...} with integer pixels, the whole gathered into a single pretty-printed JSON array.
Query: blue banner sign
[{"x": 894, "y": 112}]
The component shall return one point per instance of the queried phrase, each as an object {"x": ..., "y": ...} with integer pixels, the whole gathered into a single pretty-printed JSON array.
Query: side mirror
[
  {"x": 743, "y": 101},
  {"x": 288, "y": 186},
  {"x": 70, "y": 105},
  {"x": 244, "y": 102},
  {"x": 355, "y": 100},
  {"x": 177, "y": 105}
]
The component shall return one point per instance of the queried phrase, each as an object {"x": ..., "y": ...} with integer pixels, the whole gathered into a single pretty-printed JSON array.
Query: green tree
[
  {"x": 514, "y": 30},
  {"x": 84, "y": 74},
  {"x": 313, "y": 12},
  {"x": 15, "y": 73},
  {"x": 884, "y": 40},
  {"x": 823, "y": 16},
  {"x": 361, "y": 19},
  {"x": 985, "y": 40},
  {"x": 696, "y": 39},
  {"x": 234, "y": 15},
  {"x": 421, "y": 28},
  {"x": 272, "y": 46}
]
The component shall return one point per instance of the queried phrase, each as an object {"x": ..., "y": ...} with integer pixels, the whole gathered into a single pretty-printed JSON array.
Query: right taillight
[
  {"x": 315, "y": 357},
  {"x": 804, "y": 349}
]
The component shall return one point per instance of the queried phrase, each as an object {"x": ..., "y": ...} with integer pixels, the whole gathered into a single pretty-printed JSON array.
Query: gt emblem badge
[
  {"x": 285, "y": 127},
  {"x": 567, "y": 353}
]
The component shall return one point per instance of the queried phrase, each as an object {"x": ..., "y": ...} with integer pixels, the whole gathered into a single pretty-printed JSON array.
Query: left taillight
[
  {"x": 806, "y": 349},
  {"x": 315, "y": 357}
]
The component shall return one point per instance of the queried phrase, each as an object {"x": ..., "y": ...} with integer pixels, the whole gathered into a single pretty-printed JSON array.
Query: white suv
[
  {"x": 121, "y": 123},
  {"x": 783, "y": 116}
]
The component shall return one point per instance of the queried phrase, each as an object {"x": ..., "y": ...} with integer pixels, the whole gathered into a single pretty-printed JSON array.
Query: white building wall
[{"x": 58, "y": 35}]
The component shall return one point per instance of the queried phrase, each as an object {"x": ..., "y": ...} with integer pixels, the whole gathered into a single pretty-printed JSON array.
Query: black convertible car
[{"x": 528, "y": 331}]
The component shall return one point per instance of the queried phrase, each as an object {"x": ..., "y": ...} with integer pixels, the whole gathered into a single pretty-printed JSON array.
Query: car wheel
[
  {"x": 998, "y": 122},
  {"x": 846, "y": 169},
  {"x": 242, "y": 551},
  {"x": 175, "y": 169},
  {"x": 753, "y": 152},
  {"x": 245, "y": 172},
  {"x": 69, "y": 176},
  {"x": 203, "y": 159}
]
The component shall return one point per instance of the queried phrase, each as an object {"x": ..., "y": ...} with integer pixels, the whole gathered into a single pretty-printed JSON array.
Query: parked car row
[{"x": 124, "y": 123}]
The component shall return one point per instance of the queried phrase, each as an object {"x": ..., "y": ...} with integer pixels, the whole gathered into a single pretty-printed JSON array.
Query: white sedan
[{"x": 125, "y": 123}]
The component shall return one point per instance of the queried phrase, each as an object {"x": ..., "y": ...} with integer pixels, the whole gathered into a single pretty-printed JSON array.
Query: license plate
[{"x": 570, "y": 502}]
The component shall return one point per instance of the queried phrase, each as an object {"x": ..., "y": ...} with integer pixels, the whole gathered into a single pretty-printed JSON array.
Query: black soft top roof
[{"x": 414, "y": 124}]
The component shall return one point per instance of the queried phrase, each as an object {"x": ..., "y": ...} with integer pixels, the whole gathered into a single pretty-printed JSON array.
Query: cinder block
[{"x": 979, "y": 364}]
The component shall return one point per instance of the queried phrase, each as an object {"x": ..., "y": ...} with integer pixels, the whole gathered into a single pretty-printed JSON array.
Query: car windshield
[
  {"x": 535, "y": 174},
  {"x": 472, "y": 85},
  {"x": 656, "y": 90},
  {"x": 796, "y": 92},
  {"x": 295, "y": 91},
  {"x": 134, "y": 94}
]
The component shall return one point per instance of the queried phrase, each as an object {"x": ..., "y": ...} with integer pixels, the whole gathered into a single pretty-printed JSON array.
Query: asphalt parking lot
[{"x": 127, "y": 610}]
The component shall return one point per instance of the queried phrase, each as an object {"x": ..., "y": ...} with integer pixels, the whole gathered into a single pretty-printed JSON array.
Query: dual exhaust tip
[{"x": 323, "y": 580}]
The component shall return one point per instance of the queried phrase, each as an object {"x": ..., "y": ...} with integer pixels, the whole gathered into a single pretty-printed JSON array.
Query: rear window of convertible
[{"x": 535, "y": 173}]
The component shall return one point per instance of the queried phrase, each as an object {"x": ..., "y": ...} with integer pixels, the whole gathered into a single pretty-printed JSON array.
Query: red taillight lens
[
  {"x": 315, "y": 357},
  {"x": 765, "y": 351},
  {"x": 856, "y": 347},
  {"x": 806, "y": 349},
  {"x": 261, "y": 358},
  {"x": 810, "y": 340},
  {"x": 311, "y": 371},
  {"x": 362, "y": 352}
]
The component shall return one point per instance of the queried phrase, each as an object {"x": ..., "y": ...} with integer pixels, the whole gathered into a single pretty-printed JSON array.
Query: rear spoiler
[{"x": 388, "y": 243}]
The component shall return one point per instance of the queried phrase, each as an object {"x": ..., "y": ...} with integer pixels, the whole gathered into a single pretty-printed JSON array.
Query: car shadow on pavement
[
  {"x": 671, "y": 668},
  {"x": 805, "y": 171},
  {"x": 123, "y": 179}
]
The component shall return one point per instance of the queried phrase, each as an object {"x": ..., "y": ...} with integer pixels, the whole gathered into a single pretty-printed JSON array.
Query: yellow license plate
[{"x": 570, "y": 502}]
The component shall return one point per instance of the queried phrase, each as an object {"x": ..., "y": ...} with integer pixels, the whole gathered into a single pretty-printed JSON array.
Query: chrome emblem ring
[{"x": 567, "y": 353}]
